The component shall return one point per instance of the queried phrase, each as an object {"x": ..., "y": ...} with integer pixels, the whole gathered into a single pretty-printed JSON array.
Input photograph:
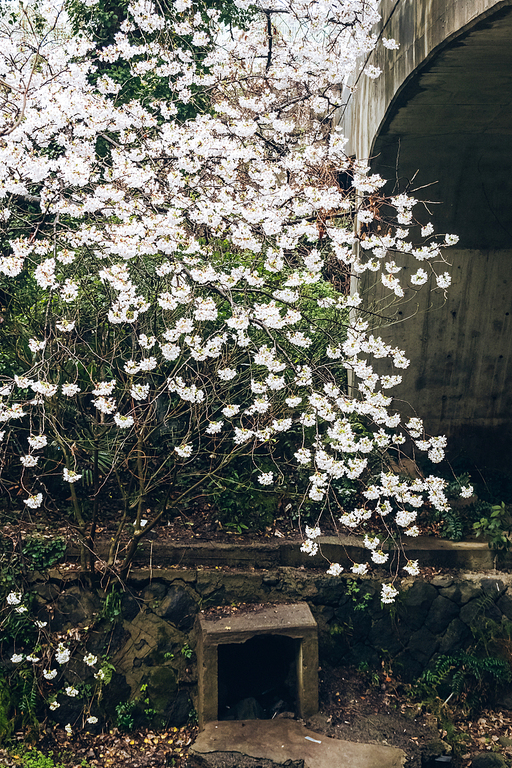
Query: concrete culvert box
[{"x": 258, "y": 664}]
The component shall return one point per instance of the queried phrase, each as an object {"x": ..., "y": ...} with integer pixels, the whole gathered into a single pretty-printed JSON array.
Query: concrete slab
[
  {"x": 269, "y": 553},
  {"x": 282, "y": 741},
  {"x": 293, "y": 619}
]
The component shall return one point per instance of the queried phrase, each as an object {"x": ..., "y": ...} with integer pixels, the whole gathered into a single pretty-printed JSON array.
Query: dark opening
[{"x": 258, "y": 678}]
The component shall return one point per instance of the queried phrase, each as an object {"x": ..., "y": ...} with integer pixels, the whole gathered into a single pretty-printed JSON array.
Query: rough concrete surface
[
  {"x": 437, "y": 120},
  {"x": 285, "y": 742},
  {"x": 269, "y": 553},
  {"x": 293, "y": 619}
]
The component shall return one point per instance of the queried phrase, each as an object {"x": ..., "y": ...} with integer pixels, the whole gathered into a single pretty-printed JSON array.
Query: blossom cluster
[
  {"x": 184, "y": 272},
  {"x": 50, "y": 664}
]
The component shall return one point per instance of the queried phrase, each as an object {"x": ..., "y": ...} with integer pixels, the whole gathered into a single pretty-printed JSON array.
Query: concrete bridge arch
[{"x": 441, "y": 115}]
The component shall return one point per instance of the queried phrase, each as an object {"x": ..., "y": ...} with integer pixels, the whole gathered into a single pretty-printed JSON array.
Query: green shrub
[
  {"x": 32, "y": 758},
  {"x": 470, "y": 678},
  {"x": 125, "y": 715},
  {"x": 496, "y": 527},
  {"x": 6, "y": 724},
  {"x": 42, "y": 552}
]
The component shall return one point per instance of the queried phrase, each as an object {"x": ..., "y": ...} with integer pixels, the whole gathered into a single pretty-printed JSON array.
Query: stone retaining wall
[{"x": 150, "y": 641}]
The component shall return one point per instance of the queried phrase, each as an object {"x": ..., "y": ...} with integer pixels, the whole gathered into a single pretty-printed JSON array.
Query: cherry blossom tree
[{"x": 174, "y": 265}]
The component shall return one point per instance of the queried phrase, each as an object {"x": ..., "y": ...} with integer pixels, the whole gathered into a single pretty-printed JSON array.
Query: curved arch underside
[
  {"x": 452, "y": 125},
  {"x": 449, "y": 131}
]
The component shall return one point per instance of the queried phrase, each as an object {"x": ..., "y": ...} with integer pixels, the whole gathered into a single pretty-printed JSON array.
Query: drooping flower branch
[
  {"x": 180, "y": 227},
  {"x": 179, "y": 284}
]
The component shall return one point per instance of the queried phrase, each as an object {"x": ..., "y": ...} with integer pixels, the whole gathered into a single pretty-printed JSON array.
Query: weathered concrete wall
[
  {"x": 422, "y": 28},
  {"x": 271, "y": 553},
  {"x": 159, "y": 609},
  {"x": 438, "y": 122},
  {"x": 460, "y": 346}
]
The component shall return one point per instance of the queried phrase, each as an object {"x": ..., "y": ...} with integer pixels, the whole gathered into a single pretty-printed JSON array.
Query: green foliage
[
  {"x": 33, "y": 758},
  {"x": 111, "y": 608},
  {"x": 193, "y": 717},
  {"x": 457, "y": 520},
  {"x": 454, "y": 526},
  {"x": 106, "y": 670},
  {"x": 471, "y": 678},
  {"x": 125, "y": 715},
  {"x": 360, "y": 599},
  {"x": 460, "y": 522},
  {"x": 42, "y": 552},
  {"x": 187, "y": 651},
  {"x": 103, "y": 20},
  {"x": 25, "y": 693},
  {"x": 34, "y": 553},
  {"x": 147, "y": 708},
  {"x": 496, "y": 527},
  {"x": 128, "y": 712},
  {"x": 237, "y": 526},
  {"x": 240, "y": 504},
  {"x": 488, "y": 516},
  {"x": 474, "y": 675},
  {"x": 371, "y": 676},
  {"x": 337, "y": 629},
  {"x": 6, "y": 723},
  {"x": 18, "y": 627}
]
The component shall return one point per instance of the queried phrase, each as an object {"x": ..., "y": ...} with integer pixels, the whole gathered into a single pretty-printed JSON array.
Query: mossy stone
[
  {"x": 488, "y": 760},
  {"x": 161, "y": 689}
]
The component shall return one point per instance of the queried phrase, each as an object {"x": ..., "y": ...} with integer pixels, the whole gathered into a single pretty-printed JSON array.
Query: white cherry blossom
[{"x": 187, "y": 281}]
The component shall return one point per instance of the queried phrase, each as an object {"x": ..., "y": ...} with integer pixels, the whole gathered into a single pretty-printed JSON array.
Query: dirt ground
[
  {"x": 371, "y": 708},
  {"x": 376, "y": 708},
  {"x": 368, "y": 708},
  {"x": 198, "y": 520}
]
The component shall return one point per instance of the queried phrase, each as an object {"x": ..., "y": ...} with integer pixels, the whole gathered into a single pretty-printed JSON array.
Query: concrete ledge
[{"x": 271, "y": 553}]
